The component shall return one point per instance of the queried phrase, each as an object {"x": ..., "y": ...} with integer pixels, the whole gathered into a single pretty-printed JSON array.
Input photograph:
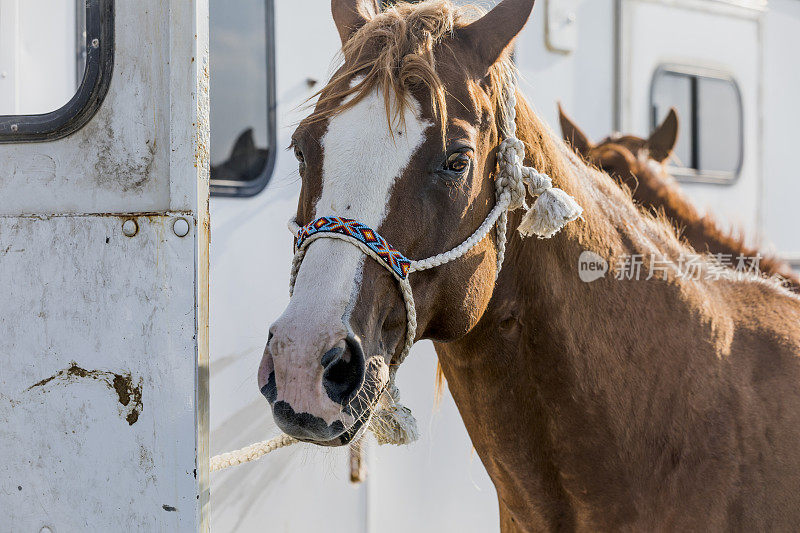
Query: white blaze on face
[{"x": 362, "y": 161}]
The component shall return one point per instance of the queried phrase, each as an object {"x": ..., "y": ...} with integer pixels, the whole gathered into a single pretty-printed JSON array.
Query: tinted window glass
[
  {"x": 56, "y": 61},
  {"x": 42, "y": 43},
  {"x": 241, "y": 123},
  {"x": 720, "y": 125},
  {"x": 674, "y": 90},
  {"x": 710, "y": 111}
]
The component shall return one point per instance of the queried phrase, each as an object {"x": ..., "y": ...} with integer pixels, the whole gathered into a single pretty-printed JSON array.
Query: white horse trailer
[
  {"x": 103, "y": 265},
  {"x": 105, "y": 386}
]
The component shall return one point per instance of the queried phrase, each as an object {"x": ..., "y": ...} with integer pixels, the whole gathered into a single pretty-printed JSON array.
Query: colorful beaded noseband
[
  {"x": 397, "y": 262},
  {"x": 551, "y": 210}
]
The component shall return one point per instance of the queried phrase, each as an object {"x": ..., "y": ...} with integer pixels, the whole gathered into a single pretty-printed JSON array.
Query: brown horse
[
  {"x": 621, "y": 404},
  {"x": 639, "y": 164}
]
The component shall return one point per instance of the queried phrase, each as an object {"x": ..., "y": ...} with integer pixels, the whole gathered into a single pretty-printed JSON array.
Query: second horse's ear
[
  {"x": 662, "y": 142},
  {"x": 244, "y": 144},
  {"x": 573, "y": 134},
  {"x": 493, "y": 33}
]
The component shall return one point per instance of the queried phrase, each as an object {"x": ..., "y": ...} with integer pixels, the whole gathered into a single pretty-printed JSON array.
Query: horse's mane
[
  {"x": 656, "y": 191},
  {"x": 394, "y": 52}
]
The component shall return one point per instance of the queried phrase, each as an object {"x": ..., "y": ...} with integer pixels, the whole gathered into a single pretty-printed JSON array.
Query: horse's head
[
  {"x": 402, "y": 140},
  {"x": 623, "y": 156}
]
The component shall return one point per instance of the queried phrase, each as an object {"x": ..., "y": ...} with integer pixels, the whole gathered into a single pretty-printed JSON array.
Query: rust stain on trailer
[
  {"x": 202, "y": 154},
  {"x": 129, "y": 394}
]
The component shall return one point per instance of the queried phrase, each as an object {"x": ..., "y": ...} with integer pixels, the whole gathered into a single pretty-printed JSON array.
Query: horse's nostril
[
  {"x": 332, "y": 355},
  {"x": 344, "y": 370},
  {"x": 269, "y": 389}
]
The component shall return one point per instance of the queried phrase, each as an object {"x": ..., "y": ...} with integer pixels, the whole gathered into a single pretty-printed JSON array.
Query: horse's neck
[{"x": 538, "y": 380}]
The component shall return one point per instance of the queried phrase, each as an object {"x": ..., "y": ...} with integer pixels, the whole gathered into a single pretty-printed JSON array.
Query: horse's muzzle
[{"x": 314, "y": 401}]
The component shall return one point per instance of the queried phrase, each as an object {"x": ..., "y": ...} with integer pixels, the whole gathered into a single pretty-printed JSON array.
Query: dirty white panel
[
  {"x": 119, "y": 162},
  {"x": 97, "y": 388},
  {"x": 781, "y": 121},
  {"x": 189, "y": 109}
]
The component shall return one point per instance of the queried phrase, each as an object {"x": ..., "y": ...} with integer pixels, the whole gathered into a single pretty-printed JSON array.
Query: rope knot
[
  {"x": 552, "y": 209},
  {"x": 393, "y": 423},
  {"x": 536, "y": 181},
  {"x": 511, "y": 177}
]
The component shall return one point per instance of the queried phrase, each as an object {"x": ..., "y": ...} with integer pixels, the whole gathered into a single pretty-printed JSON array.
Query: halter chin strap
[{"x": 551, "y": 211}]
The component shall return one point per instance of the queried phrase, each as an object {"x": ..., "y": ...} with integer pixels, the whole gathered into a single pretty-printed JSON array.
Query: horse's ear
[
  {"x": 573, "y": 134},
  {"x": 493, "y": 33},
  {"x": 350, "y": 15},
  {"x": 244, "y": 144},
  {"x": 663, "y": 140}
]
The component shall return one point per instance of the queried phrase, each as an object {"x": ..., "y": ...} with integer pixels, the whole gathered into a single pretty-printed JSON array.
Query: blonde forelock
[{"x": 394, "y": 53}]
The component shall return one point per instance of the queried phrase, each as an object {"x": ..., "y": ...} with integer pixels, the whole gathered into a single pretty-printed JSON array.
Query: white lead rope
[
  {"x": 250, "y": 453},
  {"x": 552, "y": 210}
]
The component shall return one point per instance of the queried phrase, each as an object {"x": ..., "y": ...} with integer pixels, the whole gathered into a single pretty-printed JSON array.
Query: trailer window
[
  {"x": 56, "y": 58},
  {"x": 710, "y": 142},
  {"x": 243, "y": 126}
]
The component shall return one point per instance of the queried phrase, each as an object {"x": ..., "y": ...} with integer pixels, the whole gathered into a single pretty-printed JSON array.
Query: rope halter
[{"x": 551, "y": 211}]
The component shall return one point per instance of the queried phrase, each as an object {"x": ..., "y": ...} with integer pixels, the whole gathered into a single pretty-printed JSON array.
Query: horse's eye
[
  {"x": 458, "y": 162},
  {"x": 301, "y": 159}
]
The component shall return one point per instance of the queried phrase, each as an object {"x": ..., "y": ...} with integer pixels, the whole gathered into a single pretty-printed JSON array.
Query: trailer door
[
  {"x": 103, "y": 265},
  {"x": 704, "y": 58}
]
